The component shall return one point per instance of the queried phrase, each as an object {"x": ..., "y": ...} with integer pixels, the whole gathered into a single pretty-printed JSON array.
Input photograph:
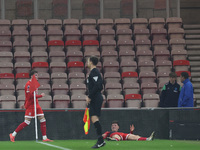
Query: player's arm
[
  {"x": 105, "y": 135},
  {"x": 132, "y": 128},
  {"x": 97, "y": 82}
]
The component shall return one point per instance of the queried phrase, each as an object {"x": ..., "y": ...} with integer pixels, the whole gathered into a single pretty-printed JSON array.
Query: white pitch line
[{"x": 58, "y": 147}]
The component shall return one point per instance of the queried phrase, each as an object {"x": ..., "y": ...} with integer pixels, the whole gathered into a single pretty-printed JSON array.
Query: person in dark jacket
[
  {"x": 170, "y": 92},
  {"x": 186, "y": 95},
  {"x": 95, "y": 99}
]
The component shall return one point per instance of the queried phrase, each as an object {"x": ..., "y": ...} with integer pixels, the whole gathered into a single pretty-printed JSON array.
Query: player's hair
[
  {"x": 115, "y": 122},
  {"x": 94, "y": 60},
  {"x": 172, "y": 75},
  {"x": 185, "y": 75},
  {"x": 32, "y": 72}
]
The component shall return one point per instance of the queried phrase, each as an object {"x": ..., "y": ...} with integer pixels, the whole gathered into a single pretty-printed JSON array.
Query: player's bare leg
[
  {"x": 100, "y": 142},
  {"x": 43, "y": 129},
  {"x": 133, "y": 137},
  {"x": 151, "y": 136},
  {"x": 24, "y": 124}
]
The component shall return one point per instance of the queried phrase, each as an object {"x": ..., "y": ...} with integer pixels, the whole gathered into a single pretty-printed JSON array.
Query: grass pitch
[{"x": 110, "y": 145}]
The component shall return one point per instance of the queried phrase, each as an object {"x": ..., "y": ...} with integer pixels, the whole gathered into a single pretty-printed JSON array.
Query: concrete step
[
  {"x": 195, "y": 74},
  {"x": 191, "y": 26},
  {"x": 192, "y": 31},
  {"x": 193, "y": 47},
  {"x": 193, "y": 42},
  {"x": 192, "y": 36},
  {"x": 195, "y": 79},
  {"x": 195, "y": 69},
  {"x": 193, "y": 52},
  {"x": 193, "y": 58}
]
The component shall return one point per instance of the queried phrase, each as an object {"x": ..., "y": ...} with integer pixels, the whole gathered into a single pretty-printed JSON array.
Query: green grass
[{"x": 110, "y": 145}]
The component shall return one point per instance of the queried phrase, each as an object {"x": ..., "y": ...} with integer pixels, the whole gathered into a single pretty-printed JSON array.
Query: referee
[{"x": 95, "y": 99}]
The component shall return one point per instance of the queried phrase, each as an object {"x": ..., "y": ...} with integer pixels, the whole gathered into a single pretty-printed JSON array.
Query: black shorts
[{"x": 95, "y": 106}]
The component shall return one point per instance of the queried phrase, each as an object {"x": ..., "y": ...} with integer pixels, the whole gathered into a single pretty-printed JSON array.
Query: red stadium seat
[
  {"x": 130, "y": 77},
  {"x": 90, "y": 45},
  {"x": 22, "y": 78},
  {"x": 133, "y": 100},
  {"x": 73, "y": 45},
  {"x": 6, "y": 78},
  {"x": 75, "y": 66},
  {"x": 56, "y": 45},
  {"x": 181, "y": 65},
  {"x": 40, "y": 66}
]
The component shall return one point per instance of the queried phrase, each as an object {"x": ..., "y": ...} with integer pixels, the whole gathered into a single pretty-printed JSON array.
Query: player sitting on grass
[{"x": 114, "y": 135}]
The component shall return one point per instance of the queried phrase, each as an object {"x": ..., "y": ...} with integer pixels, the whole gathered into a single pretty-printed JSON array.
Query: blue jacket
[{"x": 186, "y": 95}]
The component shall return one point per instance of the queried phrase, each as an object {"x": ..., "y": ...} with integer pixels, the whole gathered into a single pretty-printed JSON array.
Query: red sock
[
  {"x": 43, "y": 128},
  {"x": 21, "y": 126},
  {"x": 142, "y": 139}
]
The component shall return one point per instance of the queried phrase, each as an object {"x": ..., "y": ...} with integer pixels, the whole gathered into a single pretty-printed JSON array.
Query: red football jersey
[{"x": 29, "y": 97}]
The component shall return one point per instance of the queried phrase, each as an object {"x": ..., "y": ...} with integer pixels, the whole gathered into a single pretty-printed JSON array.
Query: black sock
[{"x": 98, "y": 130}]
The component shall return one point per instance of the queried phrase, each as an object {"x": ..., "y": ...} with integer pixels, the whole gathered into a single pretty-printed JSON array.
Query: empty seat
[
  {"x": 125, "y": 45},
  {"x": 112, "y": 77},
  {"x": 144, "y": 55},
  {"x": 40, "y": 66},
  {"x": 78, "y": 101},
  {"x": 115, "y": 100},
  {"x": 140, "y": 34},
  {"x": 163, "y": 65},
  {"x": 58, "y": 77},
  {"x": 72, "y": 34},
  {"x": 111, "y": 66},
  {"x": 5, "y": 46},
  {"x": 39, "y": 56},
  {"x": 44, "y": 88},
  {"x": 109, "y": 55},
  {"x": 151, "y": 100},
  {"x": 163, "y": 76},
  {"x": 89, "y": 34},
  {"x": 88, "y": 24},
  {"x": 54, "y": 34},
  {"x": 107, "y": 34},
  {"x": 38, "y": 46},
  {"x": 20, "y": 100},
  {"x": 174, "y": 22},
  {"x": 146, "y": 66},
  {"x": 156, "y": 23},
  {"x": 73, "y": 45},
  {"x": 60, "y": 8},
  {"x": 71, "y": 24},
  {"x": 130, "y": 77},
  {"x": 20, "y": 89},
  {"x": 147, "y": 76},
  {"x": 22, "y": 78},
  {"x": 122, "y": 23},
  {"x": 139, "y": 23},
  {"x": 76, "y": 77},
  {"x": 133, "y": 100},
  {"x": 75, "y": 66},
  {"x": 149, "y": 88},
  {"x": 105, "y": 24},
  {"x": 21, "y": 56},
  {"x": 21, "y": 46},
  {"x": 124, "y": 34},
  {"x": 56, "y": 45},
  {"x": 177, "y": 44},
  {"x": 90, "y": 45},
  {"x": 37, "y": 35},
  {"x": 7, "y": 78},
  {"x": 5, "y": 24},
  {"x": 179, "y": 54},
  {"x": 160, "y": 44},
  {"x": 36, "y": 24},
  {"x": 6, "y": 56},
  {"x": 8, "y": 101},
  {"x": 6, "y": 67},
  {"x": 20, "y": 35},
  {"x": 143, "y": 44},
  {"x": 7, "y": 89},
  {"x": 176, "y": 33},
  {"x": 22, "y": 67},
  {"x": 19, "y": 24},
  {"x": 128, "y": 65},
  {"x": 58, "y": 67},
  {"x": 131, "y": 88},
  {"x": 108, "y": 44},
  {"x": 77, "y": 88},
  {"x": 44, "y": 78},
  {"x": 126, "y": 55},
  {"x": 60, "y": 89},
  {"x": 57, "y": 56},
  {"x": 74, "y": 56},
  {"x": 159, "y": 33},
  {"x": 5, "y": 35},
  {"x": 113, "y": 88},
  {"x": 181, "y": 65},
  {"x": 54, "y": 24},
  {"x": 61, "y": 101},
  {"x": 45, "y": 102},
  {"x": 161, "y": 55}
]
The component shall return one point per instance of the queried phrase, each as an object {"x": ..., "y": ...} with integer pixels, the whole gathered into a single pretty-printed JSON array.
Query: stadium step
[
  {"x": 192, "y": 31},
  {"x": 191, "y": 26},
  {"x": 193, "y": 42},
  {"x": 192, "y": 36}
]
